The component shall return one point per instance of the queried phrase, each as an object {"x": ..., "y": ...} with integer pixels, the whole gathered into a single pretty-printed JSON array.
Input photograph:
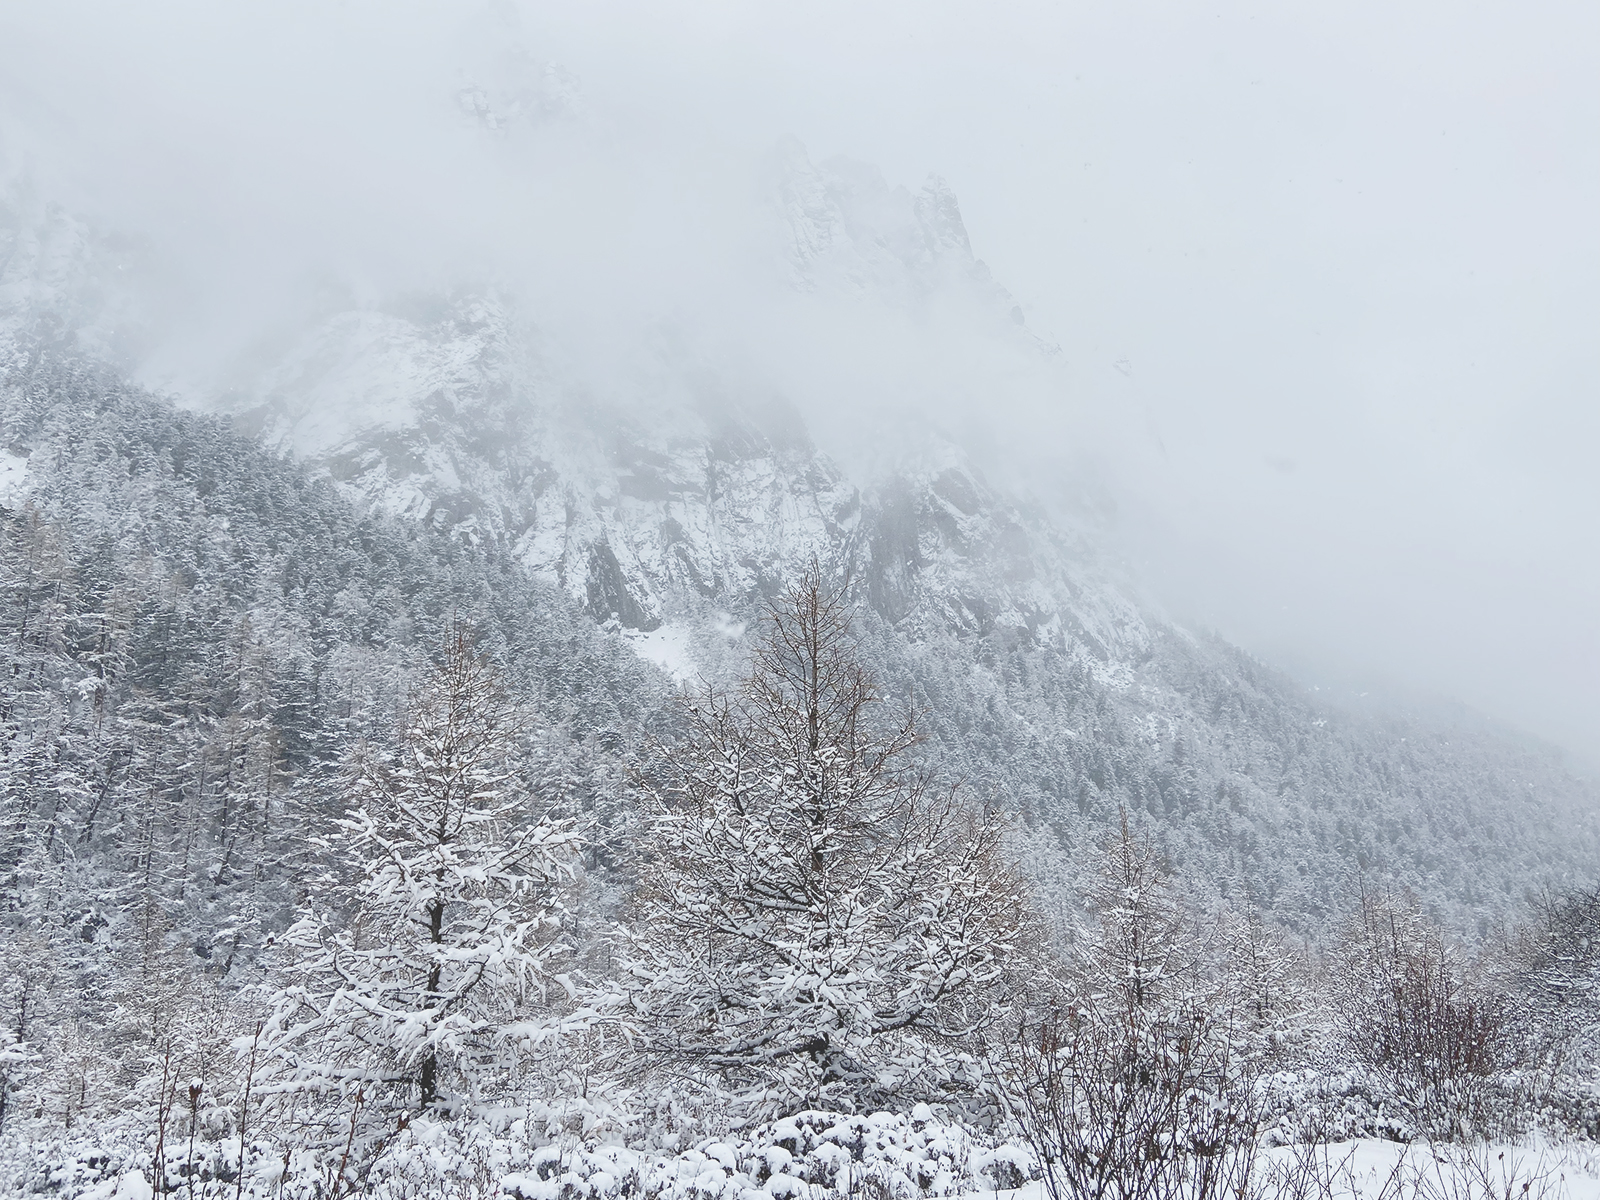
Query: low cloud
[{"x": 1322, "y": 284}]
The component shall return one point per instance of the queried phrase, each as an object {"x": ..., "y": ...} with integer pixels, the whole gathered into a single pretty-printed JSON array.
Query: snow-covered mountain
[
  {"x": 404, "y": 787},
  {"x": 668, "y": 495},
  {"x": 459, "y": 412}
]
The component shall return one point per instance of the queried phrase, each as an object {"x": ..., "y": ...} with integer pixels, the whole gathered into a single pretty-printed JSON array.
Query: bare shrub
[
  {"x": 1135, "y": 1106},
  {"x": 1418, "y": 1012},
  {"x": 1554, "y": 967},
  {"x": 1140, "y": 1087}
]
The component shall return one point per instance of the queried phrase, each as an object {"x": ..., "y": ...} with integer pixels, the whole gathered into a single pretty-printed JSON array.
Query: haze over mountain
[
  {"x": 1322, "y": 329},
  {"x": 667, "y": 391},
  {"x": 660, "y": 367}
]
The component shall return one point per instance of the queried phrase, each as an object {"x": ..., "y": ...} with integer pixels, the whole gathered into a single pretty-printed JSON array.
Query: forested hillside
[
  {"x": 195, "y": 631},
  {"x": 343, "y": 853},
  {"x": 1253, "y": 788},
  {"x": 268, "y": 619}
]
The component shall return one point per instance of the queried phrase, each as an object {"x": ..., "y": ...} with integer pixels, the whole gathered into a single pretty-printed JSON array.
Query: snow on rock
[
  {"x": 669, "y": 648},
  {"x": 13, "y": 478},
  {"x": 637, "y": 503},
  {"x": 846, "y": 230},
  {"x": 364, "y": 374}
]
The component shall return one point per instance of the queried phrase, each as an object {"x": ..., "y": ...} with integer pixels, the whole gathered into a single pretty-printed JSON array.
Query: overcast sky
[{"x": 1326, "y": 278}]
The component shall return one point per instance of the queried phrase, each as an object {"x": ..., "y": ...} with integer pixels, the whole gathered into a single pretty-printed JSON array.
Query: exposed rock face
[
  {"x": 705, "y": 497},
  {"x": 455, "y": 411}
]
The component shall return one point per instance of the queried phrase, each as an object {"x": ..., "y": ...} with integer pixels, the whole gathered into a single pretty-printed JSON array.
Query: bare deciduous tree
[
  {"x": 817, "y": 922},
  {"x": 1136, "y": 1084}
]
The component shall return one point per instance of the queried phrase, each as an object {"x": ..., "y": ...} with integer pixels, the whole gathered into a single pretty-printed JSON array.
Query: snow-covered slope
[
  {"x": 669, "y": 493},
  {"x": 847, "y": 229},
  {"x": 691, "y": 491}
]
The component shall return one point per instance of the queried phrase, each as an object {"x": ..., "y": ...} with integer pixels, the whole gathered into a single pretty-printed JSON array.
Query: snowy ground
[
  {"x": 1365, "y": 1169},
  {"x": 1371, "y": 1169},
  {"x": 810, "y": 1156}
]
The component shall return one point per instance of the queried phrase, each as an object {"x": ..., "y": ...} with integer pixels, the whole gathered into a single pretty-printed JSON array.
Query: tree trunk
[{"x": 429, "y": 1075}]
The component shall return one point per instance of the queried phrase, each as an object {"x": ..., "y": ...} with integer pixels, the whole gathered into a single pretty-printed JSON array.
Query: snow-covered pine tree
[
  {"x": 1135, "y": 958},
  {"x": 817, "y": 923},
  {"x": 436, "y": 940}
]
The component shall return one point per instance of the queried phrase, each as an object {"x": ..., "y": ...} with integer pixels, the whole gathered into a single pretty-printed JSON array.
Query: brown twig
[
  {"x": 244, "y": 1109},
  {"x": 355, "y": 1112}
]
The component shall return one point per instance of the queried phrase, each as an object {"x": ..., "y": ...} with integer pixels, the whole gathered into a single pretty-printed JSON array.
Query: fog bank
[{"x": 1324, "y": 285}]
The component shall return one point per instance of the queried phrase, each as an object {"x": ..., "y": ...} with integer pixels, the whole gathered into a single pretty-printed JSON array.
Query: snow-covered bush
[{"x": 809, "y": 1156}]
